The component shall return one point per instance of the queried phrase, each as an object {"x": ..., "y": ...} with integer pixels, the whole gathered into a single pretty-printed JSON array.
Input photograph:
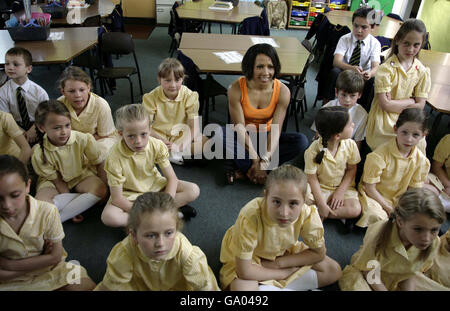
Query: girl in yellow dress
[
  {"x": 173, "y": 108},
  {"x": 66, "y": 162},
  {"x": 438, "y": 276},
  {"x": 330, "y": 165},
  {"x": 262, "y": 251},
  {"x": 131, "y": 169},
  {"x": 32, "y": 256},
  {"x": 393, "y": 168},
  {"x": 12, "y": 138},
  {"x": 156, "y": 255},
  {"x": 439, "y": 178},
  {"x": 395, "y": 251},
  {"x": 89, "y": 112},
  {"x": 402, "y": 81}
]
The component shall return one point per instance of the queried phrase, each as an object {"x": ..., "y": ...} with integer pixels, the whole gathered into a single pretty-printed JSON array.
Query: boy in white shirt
[
  {"x": 358, "y": 51},
  {"x": 21, "y": 103},
  {"x": 349, "y": 87}
]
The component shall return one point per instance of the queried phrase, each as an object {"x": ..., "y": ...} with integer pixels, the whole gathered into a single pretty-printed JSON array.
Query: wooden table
[
  {"x": 191, "y": 40},
  {"x": 79, "y": 15},
  {"x": 387, "y": 28},
  {"x": 201, "y": 48},
  {"x": 74, "y": 41},
  {"x": 199, "y": 10}
]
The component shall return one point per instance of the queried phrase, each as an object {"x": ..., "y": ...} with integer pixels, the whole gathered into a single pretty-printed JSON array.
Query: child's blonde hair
[
  {"x": 74, "y": 73},
  {"x": 130, "y": 113},
  {"x": 414, "y": 201},
  {"x": 40, "y": 115},
  {"x": 284, "y": 173},
  {"x": 150, "y": 202},
  {"x": 170, "y": 65},
  {"x": 409, "y": 25}
]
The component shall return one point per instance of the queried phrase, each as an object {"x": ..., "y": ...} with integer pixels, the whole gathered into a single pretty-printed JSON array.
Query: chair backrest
[
  {"x": 255, "y": 25},
  {"x": 395, "y": 16},
  {"x": 117, "y": 43},
  {"x": 192, "y": 79},
  {"x": 92, "y": 21},
  {"x": 307, "y": 45}
]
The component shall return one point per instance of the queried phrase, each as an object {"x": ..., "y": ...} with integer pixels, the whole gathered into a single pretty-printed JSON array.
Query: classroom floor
[{"x": 218, "y": 204}]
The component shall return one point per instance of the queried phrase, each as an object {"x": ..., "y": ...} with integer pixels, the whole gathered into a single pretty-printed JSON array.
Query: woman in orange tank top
[{"x": 258, "y": 103}]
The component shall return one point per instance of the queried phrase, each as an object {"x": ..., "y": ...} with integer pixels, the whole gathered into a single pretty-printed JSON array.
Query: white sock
[
  {"x": 61, "y": 200},
  {"x": 445, "y": 199},
  {"x": 180, "y": 215},
  {"x": 306, "y": 282},
  {"x": 78, "y": 206},
  {"x": 343, "y": 221}
]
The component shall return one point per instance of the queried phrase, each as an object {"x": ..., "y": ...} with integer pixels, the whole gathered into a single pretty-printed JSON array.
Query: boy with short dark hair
[
  {"x": 358, "y": 51},
  {"x": 19, "y": 95},
  {"x": 349, "y": 87}
]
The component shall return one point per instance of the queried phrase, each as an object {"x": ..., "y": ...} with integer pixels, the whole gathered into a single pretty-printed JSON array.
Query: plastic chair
[
  {"x": 118, "y": 43},
  {"x": 298, "y": 95},
  {"x": 206, "y": 88},
  {"x": 255, "y": 25},
  {"x": 92, "y": 21}
]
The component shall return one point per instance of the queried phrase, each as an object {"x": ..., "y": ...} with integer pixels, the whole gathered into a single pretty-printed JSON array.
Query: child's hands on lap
[
  {"x": 336, "y": 200},
  {"x": 325, "y": 210},
  {"x": 366, "y": 75}
]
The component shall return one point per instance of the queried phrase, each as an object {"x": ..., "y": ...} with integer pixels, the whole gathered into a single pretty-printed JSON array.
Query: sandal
[{"x": 77, "y": 219}]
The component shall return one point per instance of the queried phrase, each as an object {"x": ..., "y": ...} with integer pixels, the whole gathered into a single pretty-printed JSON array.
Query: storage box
[{"x": 29, "y": 33}]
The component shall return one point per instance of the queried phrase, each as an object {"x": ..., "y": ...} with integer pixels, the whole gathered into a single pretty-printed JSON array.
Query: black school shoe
[{"x": 188, "y": 212}]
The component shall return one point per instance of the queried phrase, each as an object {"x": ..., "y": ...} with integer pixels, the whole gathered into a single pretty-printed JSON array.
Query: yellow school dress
[
  {"x": 96, "y": 118},
  {"x": 393, "y": 175},
  {"x": 136, "y": 171},
  {"x": 255, "y": 236},
  {"x": 438, "y": 276},
  {"x": 395, "y": 264},
  {"x": 167, "y": 113},
  {"x": 43, "y": 222},
  {"x": 75, "y": 161},
  {"x": 392, "y": 78},
  {"x": 442, "y": 155},
  {"x": 184, "y": 268},
  {"x": 332, "y": 169},
  {"x": 8, "y": 131}
]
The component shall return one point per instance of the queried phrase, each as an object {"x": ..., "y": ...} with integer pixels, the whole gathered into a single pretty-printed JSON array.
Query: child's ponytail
[{"x": 329, "y": 121}]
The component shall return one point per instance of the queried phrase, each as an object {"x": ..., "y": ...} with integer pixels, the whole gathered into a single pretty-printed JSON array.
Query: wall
[
  {"x": 385, "y": 5},
  {"x": 434, "y": 13}
]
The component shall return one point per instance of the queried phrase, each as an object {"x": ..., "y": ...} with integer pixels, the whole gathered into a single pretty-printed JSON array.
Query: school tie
[
  {"x": 356, "y": 55},
  {"x": 26, "y": 123}
]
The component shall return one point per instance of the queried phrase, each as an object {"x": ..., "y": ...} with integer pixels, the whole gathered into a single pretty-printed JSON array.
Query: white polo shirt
[
  {"x": 359, "y": 117},
  {"x": 370, "y": 50},
  {"x": 32, "y": 93}
]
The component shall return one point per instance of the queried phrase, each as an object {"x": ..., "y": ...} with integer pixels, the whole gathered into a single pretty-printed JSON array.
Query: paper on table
[
  {"x": 270, "y": 41},
  {"x": 58, "y": 35},
  {"x": 230, "y": 57}
]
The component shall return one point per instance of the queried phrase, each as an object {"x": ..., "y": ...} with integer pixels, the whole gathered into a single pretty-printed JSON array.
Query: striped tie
[
  {"x": 26, "y": 123},
  {"x": 354, "y": 60}
]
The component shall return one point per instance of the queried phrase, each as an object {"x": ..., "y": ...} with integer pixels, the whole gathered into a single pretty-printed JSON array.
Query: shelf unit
[{"x": 302, "y": 13}]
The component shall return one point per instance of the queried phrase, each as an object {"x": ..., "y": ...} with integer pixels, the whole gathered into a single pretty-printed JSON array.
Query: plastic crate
[
  {"x": 297, "y": 23},
  {"x": 29, "y": 33},
  {"x": 309, "y": 23},
  {"x": 55, "y": 11},
  {"x": 338, "y": 2},
  {"x": 311, "y": 18}
]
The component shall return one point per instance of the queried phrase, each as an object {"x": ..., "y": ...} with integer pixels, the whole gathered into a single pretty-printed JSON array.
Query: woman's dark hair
[
  {"x": 329, "y": 121},
  {"x": 248, "y": 62},
  {"x": 415, "y": 115},
  {"x": 40, "y": 115},
  {"x": 11, "y": 165}
]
